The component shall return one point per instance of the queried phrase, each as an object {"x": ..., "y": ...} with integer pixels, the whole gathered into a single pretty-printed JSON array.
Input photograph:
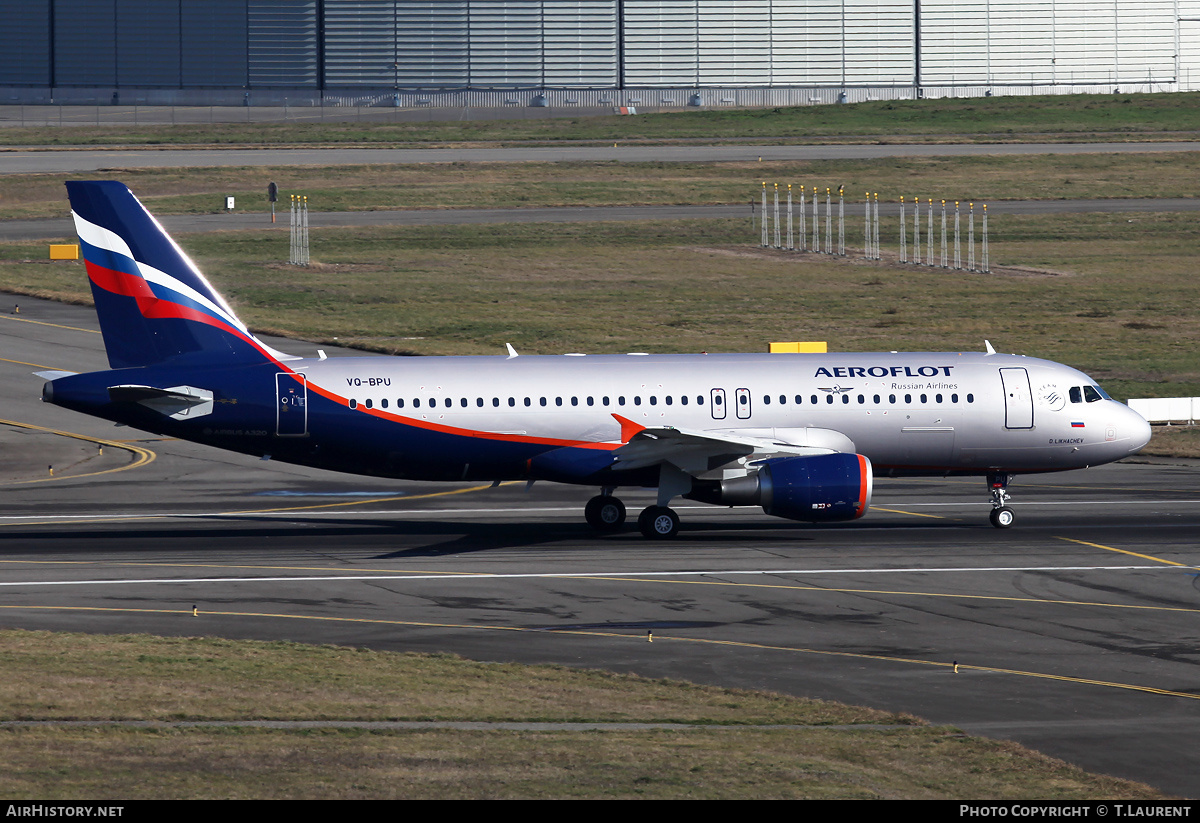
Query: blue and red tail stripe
[{"x": 153, "y": 303}]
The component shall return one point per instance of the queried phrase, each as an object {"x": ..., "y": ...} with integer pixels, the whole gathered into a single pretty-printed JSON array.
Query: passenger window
[
  {"x": 876, "y": 400},
  {"x": 892, "y": 399},
  {"x": 542, "y": 401},
  {"x": 799, "y": 400},
  {"x": 861, "y": 400},
  {"x": 670, "y": 399},
  {"x": 766, "y": 399},
  {"x": 416, "y": 402},
  {"x": 970, "y": 398},
  {"x": 353, "y": 403},
  {"x": 463, "y": 402},
  {"x": 528, "y": 402},
  {"x": 383, "y": 403},
  {"x": 512, "y": 401},
  {"x": 368, "y": 403},
  {"x": 399, "y": 402},
  {"x": 829, "y": 399},
  {"x": 954, "y": 398},
  {"x": 449, "y": 402},
  {"x": 845, "y": 399},
  {"x": 683, "y": 399}
]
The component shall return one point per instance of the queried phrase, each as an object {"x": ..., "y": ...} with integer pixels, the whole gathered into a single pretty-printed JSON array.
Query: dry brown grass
[{"x": 59, "y": 676}]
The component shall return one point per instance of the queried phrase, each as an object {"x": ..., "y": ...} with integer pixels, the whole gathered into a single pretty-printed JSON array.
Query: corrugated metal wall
[
  {"x": 1047, "y": 41},
  {"x": 283, "y": 43},
  {"x": 213, "y": 43},
  {"x": 25, "y": 43},
  {"x": 481, "y": 44}
]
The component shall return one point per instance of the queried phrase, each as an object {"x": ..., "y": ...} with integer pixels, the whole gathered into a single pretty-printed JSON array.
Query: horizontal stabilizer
[
  {"x": 53, "y": 374},
  {"x": 177, "y": 402}
]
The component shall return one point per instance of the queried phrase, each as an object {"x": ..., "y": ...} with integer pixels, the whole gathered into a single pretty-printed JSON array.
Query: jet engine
[{"x": 820, "y": 489}]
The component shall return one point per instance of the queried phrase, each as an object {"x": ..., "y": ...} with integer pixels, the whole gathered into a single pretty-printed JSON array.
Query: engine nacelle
[{"x": 820, "y": 489}]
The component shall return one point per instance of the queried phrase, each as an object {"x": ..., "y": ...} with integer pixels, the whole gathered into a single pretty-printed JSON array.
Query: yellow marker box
[
  {"x": 64, "y": 252},
  {"x": 816, "y": 347}
]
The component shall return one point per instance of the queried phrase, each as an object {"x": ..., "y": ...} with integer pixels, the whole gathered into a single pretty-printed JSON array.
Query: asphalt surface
[
  {"x": 1075, "y": 632},
  {"x": 37, "y": 161}
]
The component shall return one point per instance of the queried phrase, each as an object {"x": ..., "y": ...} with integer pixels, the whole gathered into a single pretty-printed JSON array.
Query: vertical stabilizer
[{"x": 153, "y": 303}]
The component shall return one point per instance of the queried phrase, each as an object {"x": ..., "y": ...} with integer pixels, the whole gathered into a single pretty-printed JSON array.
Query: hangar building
[{"x": 179, "y": 51}]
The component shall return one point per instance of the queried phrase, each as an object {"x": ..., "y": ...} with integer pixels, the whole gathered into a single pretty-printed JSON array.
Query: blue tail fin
[{"x": 153, "y": 303}]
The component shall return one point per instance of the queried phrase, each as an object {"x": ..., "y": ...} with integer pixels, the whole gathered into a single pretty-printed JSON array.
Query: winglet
[{"x": 628, "y": 428}]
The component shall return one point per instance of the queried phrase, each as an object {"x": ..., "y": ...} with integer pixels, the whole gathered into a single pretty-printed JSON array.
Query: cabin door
[
  {"x": 1018, "y": 399},
  {"x": 291, "y": 405}
]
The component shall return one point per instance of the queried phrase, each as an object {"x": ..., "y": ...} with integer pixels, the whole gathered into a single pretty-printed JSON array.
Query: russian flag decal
[{"x": 1077, "y": 424}]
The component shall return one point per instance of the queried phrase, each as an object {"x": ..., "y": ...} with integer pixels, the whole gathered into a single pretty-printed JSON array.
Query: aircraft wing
[{"x": 696, "y": 452}]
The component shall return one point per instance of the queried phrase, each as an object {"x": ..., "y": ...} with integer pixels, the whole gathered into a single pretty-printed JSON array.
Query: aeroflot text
[
  {"x": 1102, "y": 810},
  {"x": 884, "y": 371}
]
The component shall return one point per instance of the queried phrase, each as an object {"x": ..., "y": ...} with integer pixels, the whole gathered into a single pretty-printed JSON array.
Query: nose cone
[{"x": 1139, "y": 431}]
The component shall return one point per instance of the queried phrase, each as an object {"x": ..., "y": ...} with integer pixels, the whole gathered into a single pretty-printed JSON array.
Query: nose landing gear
[{"x": 1002, "y": 516}]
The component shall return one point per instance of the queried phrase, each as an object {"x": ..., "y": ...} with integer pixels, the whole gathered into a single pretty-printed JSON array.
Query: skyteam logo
[{"x": 884, "y": 371}]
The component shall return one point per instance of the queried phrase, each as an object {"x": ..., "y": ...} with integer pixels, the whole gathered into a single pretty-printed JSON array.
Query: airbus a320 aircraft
[{"x": 801, "y": 435}]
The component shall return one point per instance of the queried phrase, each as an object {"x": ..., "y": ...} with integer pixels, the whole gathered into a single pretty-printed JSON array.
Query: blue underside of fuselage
[{"x": 338, "y": 438}]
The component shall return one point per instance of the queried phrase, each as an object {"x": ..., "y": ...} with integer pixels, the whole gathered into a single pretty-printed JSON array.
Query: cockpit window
[
  {"x": 1092, "y": 393},
  {"x": 1076, "y": 394}
]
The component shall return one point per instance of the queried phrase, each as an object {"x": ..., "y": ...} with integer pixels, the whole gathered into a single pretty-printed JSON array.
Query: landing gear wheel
[
  {"x": 604, "y": 513},
  {"x": 1003, "y": 517},
  {"x": 658, "y": 523}
]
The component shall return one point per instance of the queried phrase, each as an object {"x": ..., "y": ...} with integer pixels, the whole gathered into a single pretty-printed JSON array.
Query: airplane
[{"x": 801, "y": 435}]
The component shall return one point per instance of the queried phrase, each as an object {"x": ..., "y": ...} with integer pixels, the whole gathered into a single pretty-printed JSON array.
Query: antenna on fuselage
[
  {"x": 511, "y": 351},
  {"x": 988, "y": 345}
]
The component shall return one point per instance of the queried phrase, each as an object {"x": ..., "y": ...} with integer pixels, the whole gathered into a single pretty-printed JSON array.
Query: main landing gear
[
  {"x": 1002, "y": 516},
  {"x": 606, "y": 513}
]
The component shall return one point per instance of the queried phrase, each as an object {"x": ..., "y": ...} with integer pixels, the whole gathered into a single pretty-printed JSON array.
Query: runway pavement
[
  {"x": 54, "y": 161},
  {"x": 1076, "y": 632}
]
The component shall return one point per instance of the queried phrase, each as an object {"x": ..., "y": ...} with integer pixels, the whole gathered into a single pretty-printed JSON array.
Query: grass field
[
  {"x": 1070, "y": 117},
  {"x": 1112, "y": 294},
  {"x": 67, "y": 676},
  {"x": 524, "y": 185}
]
